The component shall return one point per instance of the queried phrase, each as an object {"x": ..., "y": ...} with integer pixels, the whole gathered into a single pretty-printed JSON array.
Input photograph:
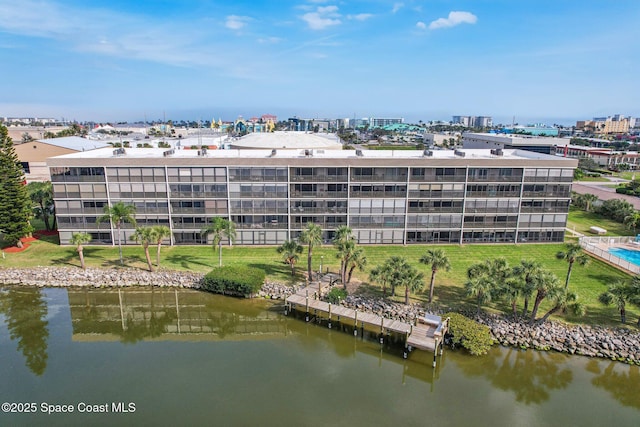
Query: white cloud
[
  {"x": 360, "y": 16},
  {"x": 235, "y": 22},
  {"x": 421, "y": 25},
  {"x": 323, "y": 17},
  {"x": 455, "y": 18},
  {"x": 397, "y": 7}
]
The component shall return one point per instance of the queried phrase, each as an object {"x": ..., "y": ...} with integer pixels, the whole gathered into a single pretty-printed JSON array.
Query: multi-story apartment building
[
  {"x": 398, "y": 197},
  {"x": 605, "y": 125},
  {"x": 473, "y": 121}
]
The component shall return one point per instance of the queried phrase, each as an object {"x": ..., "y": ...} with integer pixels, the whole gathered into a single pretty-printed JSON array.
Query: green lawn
[
  {"x": 580, "y": 221},
  {"x": 587, "y": 281}
]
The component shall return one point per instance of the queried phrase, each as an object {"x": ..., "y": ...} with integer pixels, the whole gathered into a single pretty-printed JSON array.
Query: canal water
[{"x": 149, "y": 356}]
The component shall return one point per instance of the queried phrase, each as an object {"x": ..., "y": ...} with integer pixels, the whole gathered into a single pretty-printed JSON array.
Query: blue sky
[{"x": 118, "y": 60}]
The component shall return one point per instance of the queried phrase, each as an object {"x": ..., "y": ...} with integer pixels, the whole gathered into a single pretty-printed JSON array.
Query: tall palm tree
[
  {"x": 311, "y": 236},
  {"x": 438, "y": 261},
  {"x": 160, "y": 232},
  {"x": 526, "y": 270},
  {"x": 572, "y": 254},
  {"x": 145, "y": 236},
  {"x": 117, "y": 214},
  {"x": 220, "y": 228},
  {"x": 41, "y": 193},
  {"x": 344, "y": 242},
  {"x": 413, "y": 281},
  {"x": 290, "y": 251},
  {"x": 79, "y": 239},
  {"x": 618, "y": 293}
]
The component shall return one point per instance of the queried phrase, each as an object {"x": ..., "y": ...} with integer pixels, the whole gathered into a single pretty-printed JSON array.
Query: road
[{"x": 603, "y": 192}]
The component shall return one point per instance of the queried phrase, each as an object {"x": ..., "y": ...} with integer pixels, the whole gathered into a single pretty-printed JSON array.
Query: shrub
[
  {"x": 473, "y": 336},
  {"x": 238, "y": 281},
  {"x": 336, "y": 294}
]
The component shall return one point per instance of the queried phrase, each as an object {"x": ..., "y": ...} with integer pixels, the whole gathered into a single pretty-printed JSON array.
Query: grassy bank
[
  {"x": 581, "y": 221},
  {"x": 587, "y": 281}
]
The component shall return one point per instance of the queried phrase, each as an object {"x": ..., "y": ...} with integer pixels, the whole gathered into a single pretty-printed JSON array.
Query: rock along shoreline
[{"x": 617, "y": 344}]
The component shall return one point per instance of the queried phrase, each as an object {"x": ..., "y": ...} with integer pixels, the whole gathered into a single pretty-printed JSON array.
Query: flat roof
[
  {"x": 74, "y": 143},
  {"x": 287, "y": 141},
  {"x": 150, "y": 153}
]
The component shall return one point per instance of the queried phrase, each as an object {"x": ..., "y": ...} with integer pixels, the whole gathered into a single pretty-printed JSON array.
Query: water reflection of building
[{"x": 168, "y": 314}]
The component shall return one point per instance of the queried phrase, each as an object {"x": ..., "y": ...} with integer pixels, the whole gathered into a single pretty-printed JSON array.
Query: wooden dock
[{"x": 426, "y": 333}]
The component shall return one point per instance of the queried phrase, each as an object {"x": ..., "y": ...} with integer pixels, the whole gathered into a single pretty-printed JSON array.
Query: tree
[
  {"x": 145, "y": 236},
  {"x": 382, "y": 275},
  {"x": 588, "y": 200},
  {"x": 344, "y": 242},
  {"x": 563, "y": 301},
  {"x": 615, "y": 209},
  {"x": 357, "y": 260},
  {"x": 290, "y": 251},
  {"x": 487, "y": 280},
  {"x": 618, "y": 293},
  {"x": 396, "y": 266},
  {"x": 117, "y": 214},
  {"x": 632, "y": 221},
  {"x": 438, "y": 261},
  {"x": 527, "y": 270},
  {"x": 220, "y": 228},
  {"x": 160, "y": 232},
  {"x": 311, "y": 236},
  {"x": 79, "y": 239},
  {"x": 413, "y": 281},
  {"x": 546, "y": 285},
  {"x": 573, "y": 254},
  {"x": 15, "y": 206},
  {"x": 41, "y": 194}
]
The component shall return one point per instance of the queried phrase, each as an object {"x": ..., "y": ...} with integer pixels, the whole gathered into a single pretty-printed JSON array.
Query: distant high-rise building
[
  {"x": 473, "y": 121},
  {"x": 605, "y": 125}
]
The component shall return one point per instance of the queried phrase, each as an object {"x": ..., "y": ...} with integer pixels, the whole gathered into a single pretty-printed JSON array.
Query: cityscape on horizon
[{"x": 529, "y": 62}]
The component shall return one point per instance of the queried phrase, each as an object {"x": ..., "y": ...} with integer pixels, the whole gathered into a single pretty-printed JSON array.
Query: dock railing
[{"x": 598, "y": 246}]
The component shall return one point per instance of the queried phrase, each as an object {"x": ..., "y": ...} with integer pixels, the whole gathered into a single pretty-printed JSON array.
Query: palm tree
[
  {"x": 527, "y": 269},
  {"x": 117, "y": 214},
  {"x": 438, "y": 260},
  {"x": 573, "y": 254},
  {"x": 618, "y": 293},
  {"x": 344, "y": 242},
  {"x": 487, "y": 280},
  {"x": 588, "y": 200},
  {"x": 413, "y": 281},
  {"x": 160, "y": 232},
  {"x": 311, "y": 236},
  {"x": 290, "y": 251},
  {"x": 41, "y": 193},
  {"x": 632, "y": 221},
  {"x": 563, "y": 301},
  {"x": 80, "y": 239},
  {"x": 546, "y": 285},
  {"x": 220, "y": 228},
  {"x": 381, "y": 275},
  {"x": 357, "y": 260},
  {"x": 145, "y": 236},
  {"x": 396, "y": 266}
]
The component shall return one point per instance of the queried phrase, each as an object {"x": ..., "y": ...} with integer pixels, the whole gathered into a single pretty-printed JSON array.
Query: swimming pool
[{"x": 626, "y": 254}]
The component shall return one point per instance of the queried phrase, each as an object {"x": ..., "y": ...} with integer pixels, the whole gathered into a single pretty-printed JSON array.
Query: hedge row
[{"x": 237, "y": 281}]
